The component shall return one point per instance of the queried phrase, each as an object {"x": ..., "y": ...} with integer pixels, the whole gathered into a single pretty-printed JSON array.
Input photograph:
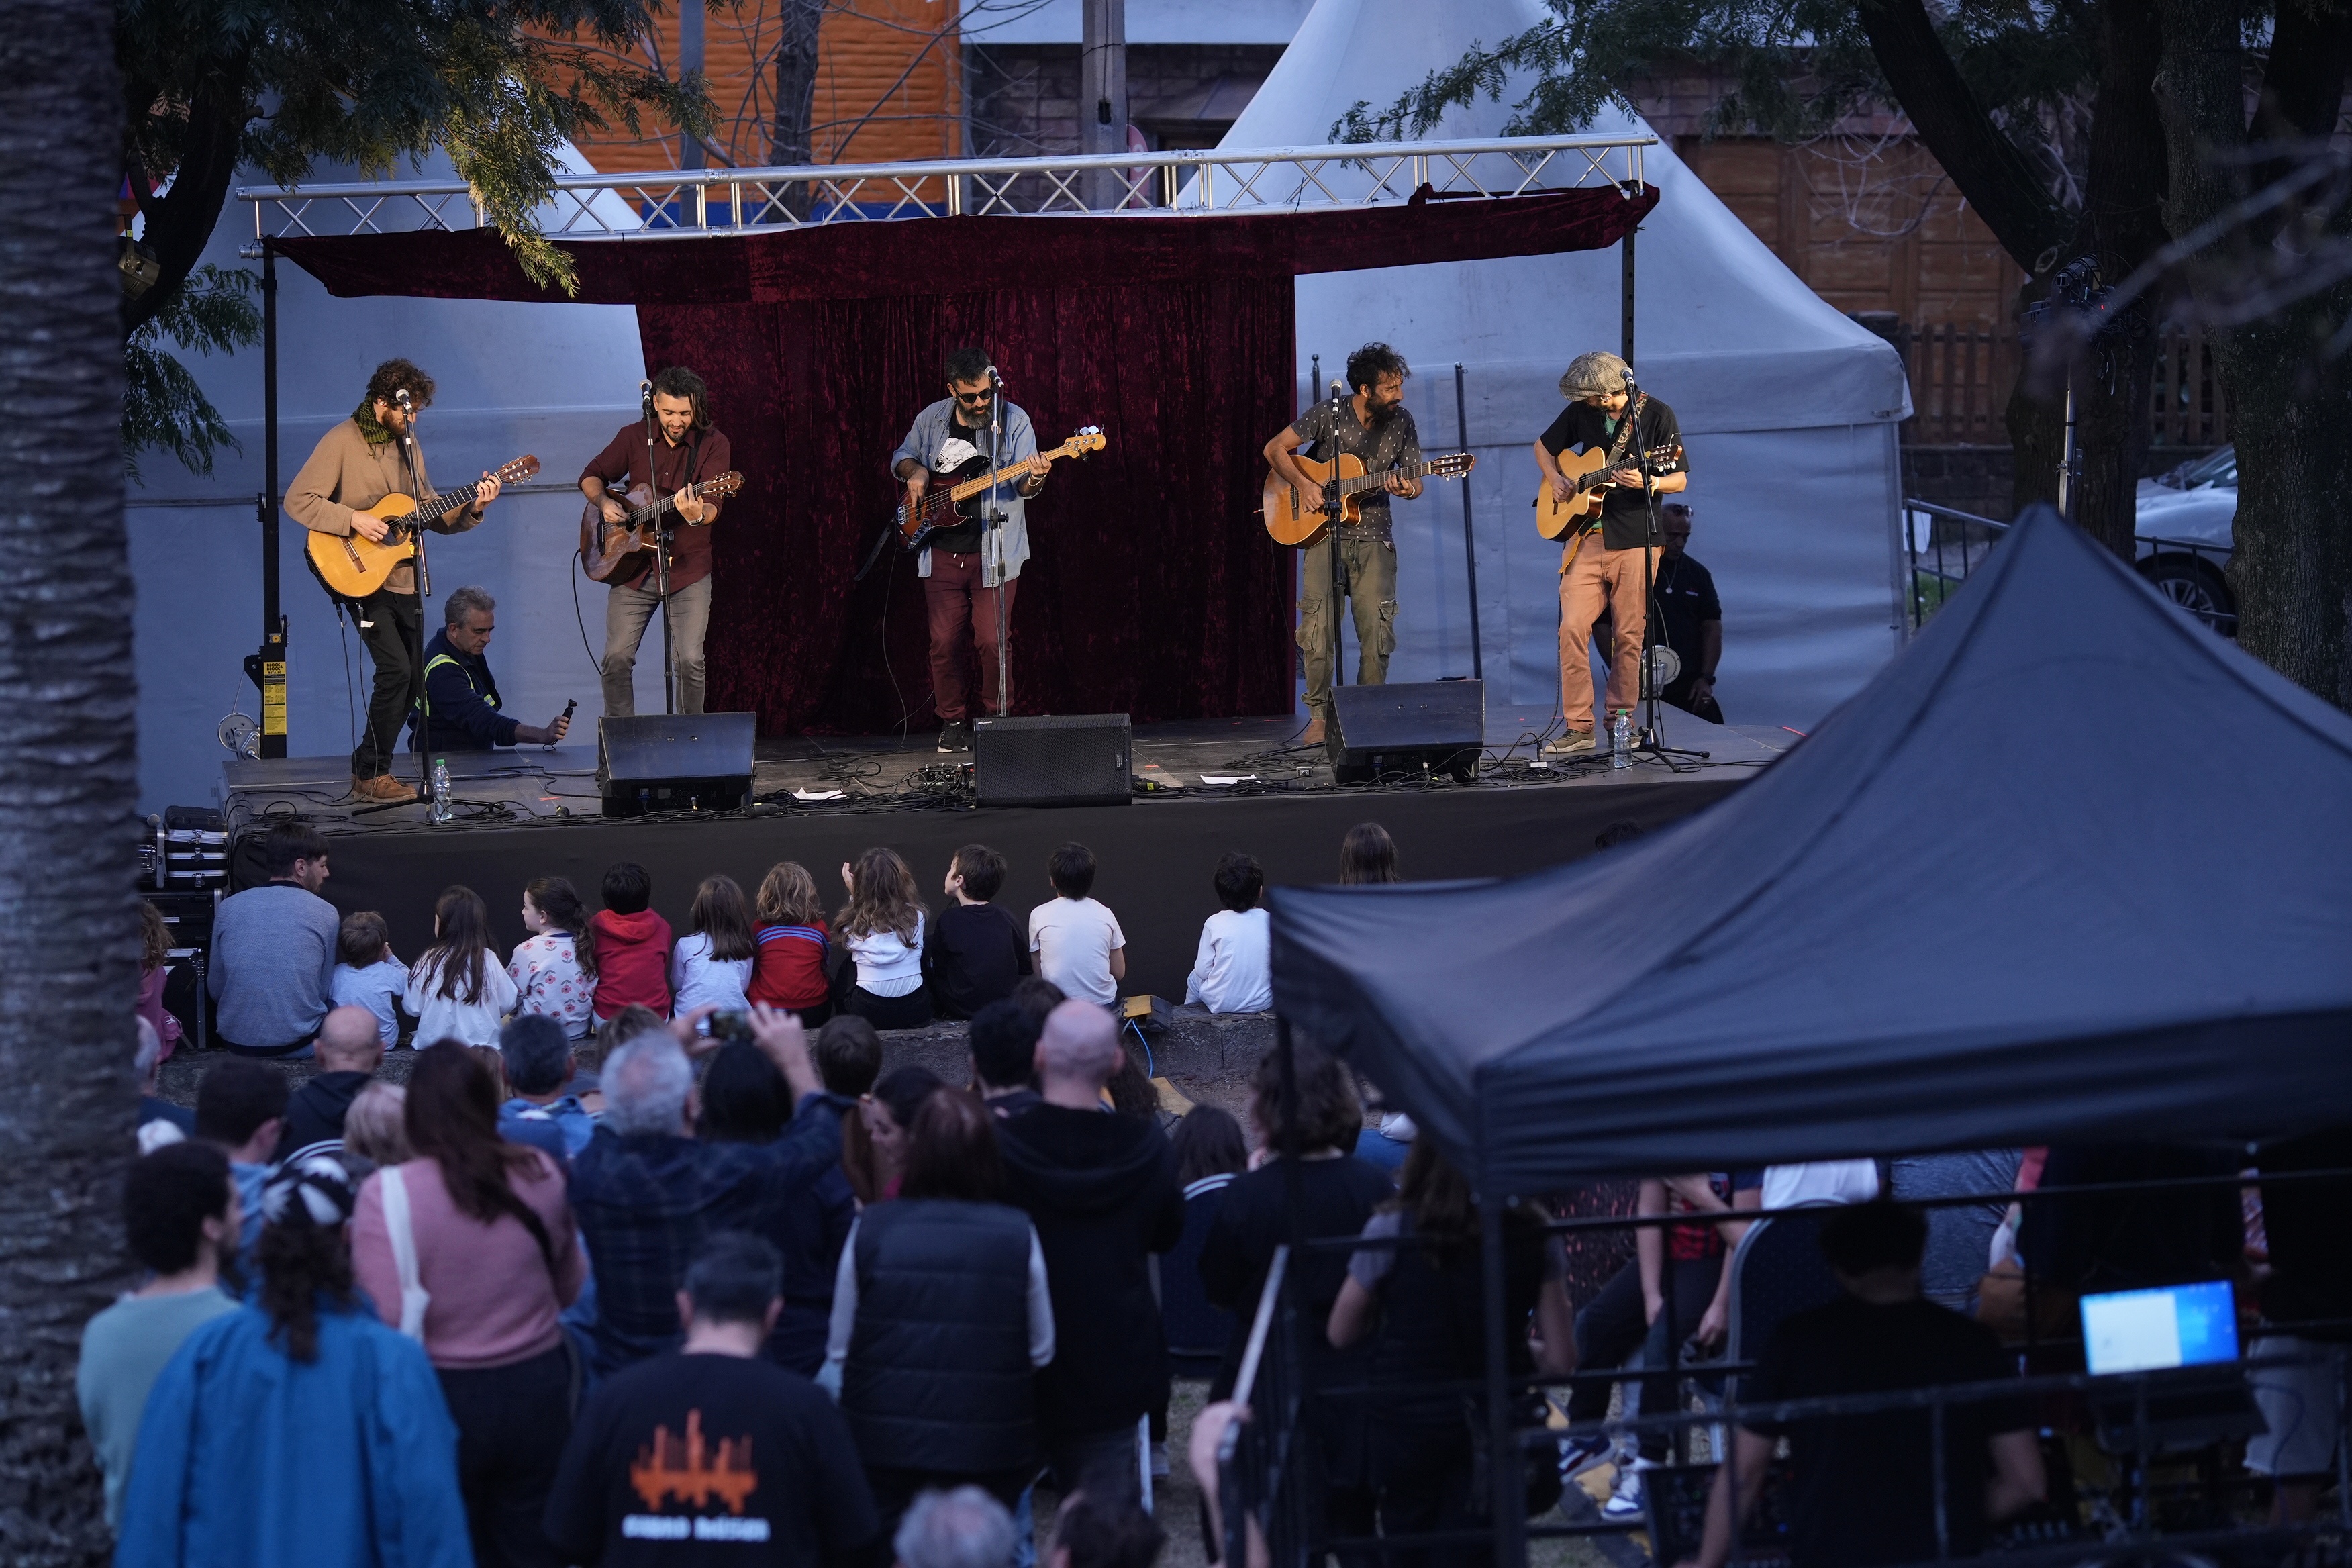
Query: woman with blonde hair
[{"x": 882, "y": 924}]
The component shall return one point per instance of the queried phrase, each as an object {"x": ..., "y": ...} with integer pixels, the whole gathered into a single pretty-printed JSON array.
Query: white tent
[
  {"x": 553, "y": 380},
  {"x": 1789, "y": 408}
]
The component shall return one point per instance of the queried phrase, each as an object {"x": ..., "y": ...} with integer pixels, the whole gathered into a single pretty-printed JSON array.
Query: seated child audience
[
  {"x": 554, "y": 968},
  {"x": 632, "y": 945},
  {"x": 154, "y": 969},
  {"x": 882, "y": 925},
  {"x": 712, "y": 966},
  {"x": 366, "y": 973},
  {"x": 973, "y": 953},
  {"x": 1232, "y": 972},
  {"x": 459, "y": 990},
  {"x": 794, "y": 946},
  {"x": 1368, "y": 855},
  {"x": 1077, "y": 941}
]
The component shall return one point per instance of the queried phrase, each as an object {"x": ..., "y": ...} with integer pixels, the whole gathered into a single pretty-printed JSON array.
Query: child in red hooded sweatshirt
[{"x": 632, "y": 945}]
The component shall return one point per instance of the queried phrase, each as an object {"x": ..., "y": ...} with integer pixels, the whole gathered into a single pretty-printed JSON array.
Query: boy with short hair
[
  {"x": 1077, "y": 941},
  {"x": 631, "y": 944},
  {"x": 367, "y": 975},
  {"x": 1233, "y": 972},
  {"x": 973, "y": 953}
]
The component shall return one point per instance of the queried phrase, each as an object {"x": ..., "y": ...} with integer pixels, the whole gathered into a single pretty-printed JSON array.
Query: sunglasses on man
[{"x": 976, "y": 399}]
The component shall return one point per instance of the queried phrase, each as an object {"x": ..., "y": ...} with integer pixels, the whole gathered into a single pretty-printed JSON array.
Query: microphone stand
[
  {"x": 419, "y": 702},
  {"x": 992, "y": 560},
  {"x": 662, "y": 537},
  {"x": 1334, "y": 508},
  {"x": 1651, "y": 741}
]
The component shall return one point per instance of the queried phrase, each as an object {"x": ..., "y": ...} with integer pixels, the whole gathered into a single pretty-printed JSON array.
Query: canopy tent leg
[{"x": 1508, "y": 1505}]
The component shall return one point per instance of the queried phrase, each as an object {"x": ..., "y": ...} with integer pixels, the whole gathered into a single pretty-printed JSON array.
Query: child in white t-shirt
[
  {"x": 459, "y": 991},
  {"x": 710, "y": 965},
  {"x": 368, "y": 975},
  {"x": 1232, "y": 972},
  {"x": 1076, "y": 941}
]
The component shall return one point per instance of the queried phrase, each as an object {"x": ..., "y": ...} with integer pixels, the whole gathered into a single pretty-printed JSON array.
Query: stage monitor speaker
[
  {"x": 1072, "y": 759},
  {"x": 674, "y": 762},
  {"x": 1424, "y": 727}
]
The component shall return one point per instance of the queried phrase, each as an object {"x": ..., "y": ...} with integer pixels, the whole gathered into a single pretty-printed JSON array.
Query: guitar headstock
[
  {"x": 522, "y": 469},
  {"x": 725, "y": 484},
  {"x": 1085, "y": 439},
  {"x": 1452, "y": 465}
]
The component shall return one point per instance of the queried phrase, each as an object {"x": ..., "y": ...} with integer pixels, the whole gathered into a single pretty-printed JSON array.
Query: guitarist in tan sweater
[{"x": 368, "y": 457}]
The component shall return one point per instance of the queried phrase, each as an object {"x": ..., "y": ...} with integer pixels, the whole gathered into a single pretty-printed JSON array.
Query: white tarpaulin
[{"x": 1789, "y": 408}]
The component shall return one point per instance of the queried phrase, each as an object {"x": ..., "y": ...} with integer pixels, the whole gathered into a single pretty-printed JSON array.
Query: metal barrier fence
[
  {"x": 697, "y": 202},
  {"x": 2141, "y": 1512},
  {"x": 1943, "y": 544}
]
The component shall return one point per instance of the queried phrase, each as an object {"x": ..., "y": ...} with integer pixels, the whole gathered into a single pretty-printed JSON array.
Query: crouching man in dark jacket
[
  {"x": 461, "y": 696},
  {"x": 1102, "y": 1191}
]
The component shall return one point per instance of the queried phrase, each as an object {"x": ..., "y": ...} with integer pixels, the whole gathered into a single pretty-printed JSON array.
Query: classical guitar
[
  {"x": 1296, "y": 516},
  {"x": 353, "y": 567},
  {"x": 1588, "y": 472},
  {"x": 605, "y": 547},
  {"x": 944, "y": 499}
]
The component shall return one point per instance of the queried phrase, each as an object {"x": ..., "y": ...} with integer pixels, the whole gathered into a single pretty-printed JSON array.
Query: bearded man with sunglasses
[{"x": 963, "y": 608}]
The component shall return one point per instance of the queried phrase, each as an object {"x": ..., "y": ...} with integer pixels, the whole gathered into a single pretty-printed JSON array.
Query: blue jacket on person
[
  {"x": 461, "y": 701},
  {"x": 246, "y": 1456}
]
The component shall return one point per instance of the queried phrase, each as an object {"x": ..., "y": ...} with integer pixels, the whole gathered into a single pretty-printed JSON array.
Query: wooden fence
[{"x": 1961, "y": 374}]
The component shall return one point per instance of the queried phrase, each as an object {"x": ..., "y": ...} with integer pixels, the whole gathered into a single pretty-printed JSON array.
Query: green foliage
[
  {"x": 163, "y": 407},
  {"x": 498, "y": 84},
  {"x": 1796, "y": 66}
]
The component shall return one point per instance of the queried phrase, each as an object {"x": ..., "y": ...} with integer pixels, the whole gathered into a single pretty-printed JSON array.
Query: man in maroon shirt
[{"x": 688, "y": 451}]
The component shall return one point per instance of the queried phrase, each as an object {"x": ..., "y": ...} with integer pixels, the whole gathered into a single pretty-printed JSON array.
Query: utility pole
[
  {"x": 690, "y": 17},
  {"x": 1102, "y": 96}
]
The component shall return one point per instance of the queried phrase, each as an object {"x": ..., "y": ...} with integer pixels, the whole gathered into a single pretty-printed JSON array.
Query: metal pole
[
  {"x": 1102, "y": 96},
  {"x": 1469, "y": 533},
  {"x": 2069, "y": 459},
  {"x": 273, "y": 610},
  {"x": 1626, "y": 300},
  {"x": 1509, "y": 1503},
  {"x": 690, "y": 154}
]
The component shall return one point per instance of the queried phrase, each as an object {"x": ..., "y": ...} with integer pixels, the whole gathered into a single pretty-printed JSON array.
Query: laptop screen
[{"x": 2147, "y": 1330}]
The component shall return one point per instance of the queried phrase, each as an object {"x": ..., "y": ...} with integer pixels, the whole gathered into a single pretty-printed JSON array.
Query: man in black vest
[
  {"x": 460, "y": 711},
  {"x": 1102, "y": 1191}
]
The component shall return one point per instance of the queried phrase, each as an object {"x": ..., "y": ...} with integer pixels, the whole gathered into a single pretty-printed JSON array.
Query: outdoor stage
[{"x": 526, "y": 813}]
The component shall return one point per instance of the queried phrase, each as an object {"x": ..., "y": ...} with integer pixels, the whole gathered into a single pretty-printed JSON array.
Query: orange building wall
[{"x": 889, "y": 87}]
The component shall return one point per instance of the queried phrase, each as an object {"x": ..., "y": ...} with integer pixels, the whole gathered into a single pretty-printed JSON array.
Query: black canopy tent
[{"x": 2070, "y": 867}]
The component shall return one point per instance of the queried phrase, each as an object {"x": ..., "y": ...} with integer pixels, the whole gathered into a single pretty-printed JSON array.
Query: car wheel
[{"x": 2197, "y": 587}]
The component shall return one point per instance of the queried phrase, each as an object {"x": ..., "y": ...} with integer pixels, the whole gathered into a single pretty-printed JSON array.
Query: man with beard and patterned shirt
[{"x": 1375, "y": 426}]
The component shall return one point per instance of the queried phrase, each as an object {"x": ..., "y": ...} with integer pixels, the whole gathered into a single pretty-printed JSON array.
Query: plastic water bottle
[
  {"x": 1621, "y": 741},
  {"x": 440, "y": 808}
]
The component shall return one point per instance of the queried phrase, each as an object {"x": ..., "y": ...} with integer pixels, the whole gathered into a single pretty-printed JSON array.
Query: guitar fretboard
[{"x": 1374, "y": 481}]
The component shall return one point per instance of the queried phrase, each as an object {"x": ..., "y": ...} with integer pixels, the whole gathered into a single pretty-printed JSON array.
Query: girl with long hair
[
  {"x": 303, "y": 1369},
  {"x": 882, "y": 925},
  {"x": 1367, "y": 855},
  {"x": 796, "y": 946},
  {"x": 154, "y": 966},
  {"x": 710, "y": 965},
  {"x": 459, "y": 990},
  {"x": 554, "y": 968},
  {"x": 497, "y": 1258}
]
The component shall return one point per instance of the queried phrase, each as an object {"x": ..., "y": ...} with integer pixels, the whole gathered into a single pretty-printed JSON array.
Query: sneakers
[
  {"x": 955, "y": 736},
  {"x": 383, "y": 789},
  {"x": 1625, "y": 1500},
  {"x": 1569, "y": 742}
]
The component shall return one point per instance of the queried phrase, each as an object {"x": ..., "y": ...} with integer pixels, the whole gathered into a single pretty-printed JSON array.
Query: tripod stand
[{"x": 1652, "y": 739}]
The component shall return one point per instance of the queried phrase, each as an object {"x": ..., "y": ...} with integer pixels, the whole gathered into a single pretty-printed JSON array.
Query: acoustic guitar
[
  {"x": 605, "y": 547},
  {"x": 1296, "y": 516},
  {"x": 1588, "y": 471},
  {"x": 353, "y": 567},
  {"x": 944, "y": 497}
]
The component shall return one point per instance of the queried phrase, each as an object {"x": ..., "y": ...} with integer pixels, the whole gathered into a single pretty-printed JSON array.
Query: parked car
[{"x": 2183, "y": 520}]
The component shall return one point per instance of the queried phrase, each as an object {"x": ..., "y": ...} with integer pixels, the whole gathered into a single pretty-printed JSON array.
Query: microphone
[
  {"x": 400, "y": 395},
  {"x": 644, "y": 392},
  {"x": 994, "y": 379},
  {"x": 1631, "y": 384}
]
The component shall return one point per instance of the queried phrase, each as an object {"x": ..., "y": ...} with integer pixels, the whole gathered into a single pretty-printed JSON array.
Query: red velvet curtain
[{"x": 1152, "y": 588}]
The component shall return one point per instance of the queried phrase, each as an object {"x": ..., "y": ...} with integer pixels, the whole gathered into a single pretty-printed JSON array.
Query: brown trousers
[{"x": 1601, "y": 579}]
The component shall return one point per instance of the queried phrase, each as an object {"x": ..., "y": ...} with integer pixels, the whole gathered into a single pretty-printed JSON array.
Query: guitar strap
[{"x": 1617, "y": 450}]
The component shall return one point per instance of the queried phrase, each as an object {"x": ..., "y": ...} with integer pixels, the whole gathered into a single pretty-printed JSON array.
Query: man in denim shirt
[{"x": 964, "y": 612}]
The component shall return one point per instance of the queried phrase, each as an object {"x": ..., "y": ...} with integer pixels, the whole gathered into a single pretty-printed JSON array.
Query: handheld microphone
[{"x": 570, "y": 703}]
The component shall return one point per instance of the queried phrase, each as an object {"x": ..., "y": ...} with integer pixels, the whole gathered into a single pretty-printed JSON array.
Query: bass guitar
[
  {"x": 353, "y": 567},
  {"x": 945, "y": 495},
  {"x": 1296, "y": 516},
  {"x": 605, "y": 547},
  {"x": 1587, "y": 472}
]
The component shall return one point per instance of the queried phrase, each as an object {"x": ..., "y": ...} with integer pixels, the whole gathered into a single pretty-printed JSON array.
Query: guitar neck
[
  {"x": 1374, "y": 481},
  {"x": 979, "y": 482},
  {"x": 444, "y": 505}
]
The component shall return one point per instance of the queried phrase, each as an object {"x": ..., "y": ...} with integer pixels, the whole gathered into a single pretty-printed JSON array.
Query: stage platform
[{"x": 527, "y": 812}]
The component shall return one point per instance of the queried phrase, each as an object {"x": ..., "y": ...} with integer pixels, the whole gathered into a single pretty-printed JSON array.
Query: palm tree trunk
[{"x": 67, "y": 756}]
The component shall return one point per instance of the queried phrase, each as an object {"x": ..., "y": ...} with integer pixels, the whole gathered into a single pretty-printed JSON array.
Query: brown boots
[{"x": 383, "y": 789}]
